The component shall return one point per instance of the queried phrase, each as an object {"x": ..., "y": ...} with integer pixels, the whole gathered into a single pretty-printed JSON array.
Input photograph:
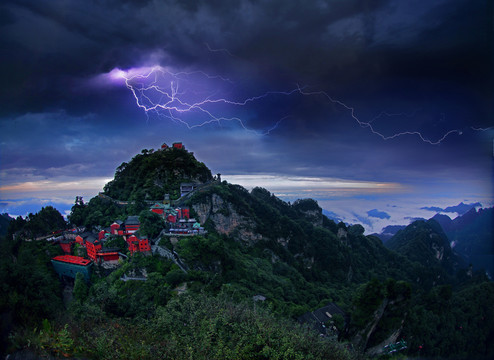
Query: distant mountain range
[
  {"x": 472, "y": 236},
  {"x": 389, "y": 231},
  {"x": 461, "y": 208},
  {"x": 469, "y": 235}
]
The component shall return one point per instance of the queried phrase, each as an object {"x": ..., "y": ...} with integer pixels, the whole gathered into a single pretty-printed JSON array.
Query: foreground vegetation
[{"x": 113, "y": 319}]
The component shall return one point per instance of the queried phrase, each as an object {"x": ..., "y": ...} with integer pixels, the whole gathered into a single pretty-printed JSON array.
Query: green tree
[
  {"x": 31, "y": 290},
  {"x": 93, "y": 219},
  {"x": 116, "y": 242},
  {"x": 80, "y": 288},
  {"x": 45, "y": 221},
  {"x": 78, "y": 213},
  {"x": 151, "y": 223},
  {"x": 356, "y": 230},
  {"x": 368, "y": 299},
  {"x": 175, "y": 277}
]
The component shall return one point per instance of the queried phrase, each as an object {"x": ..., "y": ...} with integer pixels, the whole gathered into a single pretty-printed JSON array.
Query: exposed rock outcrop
[
  {"x": 362, "y": 337},
  {"x": 314, "y": 216},
  {"x": 226, "y": 220},
  {"x": 378, "y": 349}
]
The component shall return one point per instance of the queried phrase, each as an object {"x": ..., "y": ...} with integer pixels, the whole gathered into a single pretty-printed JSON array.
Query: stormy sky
[{"x": 377, "y": 109}]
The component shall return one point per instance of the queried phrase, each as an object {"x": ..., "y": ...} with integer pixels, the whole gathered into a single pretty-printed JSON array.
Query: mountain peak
[
  {"x": 152, "y": 174},
  {"x": 425, "y": 242}
]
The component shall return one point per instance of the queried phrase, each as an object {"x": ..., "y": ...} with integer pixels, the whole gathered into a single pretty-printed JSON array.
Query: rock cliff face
[
  {"x": 378, "y": 349},
  {"x": 439, "y": 250},
  {"x": 226, "y": 219},
  {"x": 247, "y": 218},
  {"x": 314, "y": 216},
  {"x": 310, "y": 210},
  {"x": 361, "y": 339},
  {"x": 386, "y": 309}
]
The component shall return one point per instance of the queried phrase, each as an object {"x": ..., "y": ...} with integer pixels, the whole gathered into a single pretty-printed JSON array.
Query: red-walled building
[
  {"x": 107, "y": 255},
  {"x": 170, "y": 214},
  {"x": 79, "y": 239},
  {"x": 82, "y": 238},
  {"x": 178, "y": 145},
  {"x": 128, "y": 227},
  {"x": 131, "y": 225},
  {"x": 183, "y": 213},
  {"x": 164, "y": 146},
  {"x": 138, "y": 243},
  {"x": 158, "y": 208},
  {"x": 66, "y": 245},
  {"x": 133, "y": 247},
  {"x": 93, "y": 246},
  {"x": 116, "y": 228},
  {"x": 144, "y": 245}
]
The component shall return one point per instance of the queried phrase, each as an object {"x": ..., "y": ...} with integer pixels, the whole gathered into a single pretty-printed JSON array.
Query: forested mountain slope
[
  {"x": 152, "y": 174},
  {"x": 471, "y": 235},
  {"x": 297, "y": 234},
  {"x": 425, "y": 242}
]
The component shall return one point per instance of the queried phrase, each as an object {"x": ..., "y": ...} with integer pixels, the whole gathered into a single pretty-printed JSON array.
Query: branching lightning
[
  {"x": 369, "y": 125},
  {"x": 226, "y": 51},
  {"x": 175, "y": 95},
  {"x": 158, "y": 90},
  {"x": 387, "y": 114}
]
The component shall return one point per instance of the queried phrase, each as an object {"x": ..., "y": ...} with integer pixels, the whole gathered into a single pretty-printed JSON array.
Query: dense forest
[
  {"x": 291, "y": 255},
  {"x": 113, "y": 319},
  {"x": 152, "y": 174}
]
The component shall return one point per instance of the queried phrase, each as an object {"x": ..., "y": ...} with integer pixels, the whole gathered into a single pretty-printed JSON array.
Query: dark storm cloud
[
  {"x": 44, "y": 149},
  {"x": 431, "y": 63},
  {"x": 339, "y": 46}
]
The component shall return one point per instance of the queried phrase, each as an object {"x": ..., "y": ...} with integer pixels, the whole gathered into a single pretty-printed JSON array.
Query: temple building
[{"x": 69, "y": 266}]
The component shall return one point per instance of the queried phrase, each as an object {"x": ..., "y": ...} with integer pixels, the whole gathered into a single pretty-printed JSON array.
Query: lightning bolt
[
  {"x": 219, "y": 50},
  {"x": 368, "y": 124},
  {"x": 172, "y": 102},
  {"x": 160, "y": 91},
  {"x": 385, "y": 113}
]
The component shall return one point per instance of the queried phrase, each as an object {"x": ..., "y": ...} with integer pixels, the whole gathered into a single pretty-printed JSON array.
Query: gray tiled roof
[
  {"x": 132, "y": 220},
  {"x": 319, "y": 317}
]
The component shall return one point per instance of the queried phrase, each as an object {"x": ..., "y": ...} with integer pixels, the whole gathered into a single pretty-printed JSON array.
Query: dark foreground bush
[{"x": 200, "y": 327}]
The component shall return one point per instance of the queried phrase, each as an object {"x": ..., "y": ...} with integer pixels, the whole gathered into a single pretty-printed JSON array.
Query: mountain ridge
[
  {"x": 471, "y": 236},
  {"x": 291, "y": 258}
]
